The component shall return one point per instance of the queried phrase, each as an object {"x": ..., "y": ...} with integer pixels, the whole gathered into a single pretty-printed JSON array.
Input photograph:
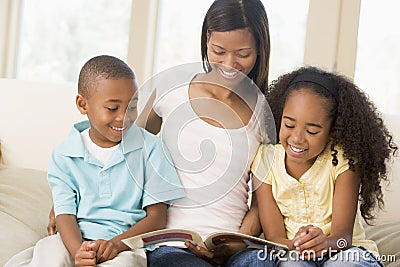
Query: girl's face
[
  {"x": 305, "y": 128},
  {"x": 109, "y": 109},
  {"x": 235, "y": 50}
]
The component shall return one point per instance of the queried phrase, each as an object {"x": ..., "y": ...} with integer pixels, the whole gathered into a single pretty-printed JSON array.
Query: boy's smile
[{"x": 109, "y": 109}]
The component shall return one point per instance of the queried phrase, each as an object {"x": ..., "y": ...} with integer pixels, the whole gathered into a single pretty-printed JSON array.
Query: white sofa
[{"x": 36, "y": 116}]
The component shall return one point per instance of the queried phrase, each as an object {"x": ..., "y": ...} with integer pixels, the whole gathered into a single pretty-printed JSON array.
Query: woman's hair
[
  {"x": 102, "y": 67},
  {"x": 229, "y": 15},
  {"x": 357, "y": 128}
]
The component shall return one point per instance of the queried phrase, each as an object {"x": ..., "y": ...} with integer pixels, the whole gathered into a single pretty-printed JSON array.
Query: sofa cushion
[
  {"x": 25, "y": 201},
  {"x": 387, "y": 237}
]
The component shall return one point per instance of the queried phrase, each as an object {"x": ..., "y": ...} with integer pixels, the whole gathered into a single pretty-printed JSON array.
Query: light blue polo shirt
[{"x": 109, "y": 199}]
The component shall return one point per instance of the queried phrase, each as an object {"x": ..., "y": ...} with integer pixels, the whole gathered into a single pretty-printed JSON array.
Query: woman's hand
[
  {"x": 51, "y": 227},
  {"x": 217, "y": 256},
  {"x": 310, "y": 242}
]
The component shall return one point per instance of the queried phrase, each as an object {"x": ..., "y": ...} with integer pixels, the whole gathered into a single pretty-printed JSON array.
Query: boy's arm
[
  {"x": 155, "y": 219},
  {"x": 69, "y": 231}
]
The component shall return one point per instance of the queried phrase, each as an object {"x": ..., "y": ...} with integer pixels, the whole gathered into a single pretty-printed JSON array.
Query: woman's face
[{"x": 235, "y": 50}]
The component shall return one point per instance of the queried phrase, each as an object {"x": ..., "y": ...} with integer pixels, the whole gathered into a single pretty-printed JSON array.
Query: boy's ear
[{"x": 81, "y": 104}]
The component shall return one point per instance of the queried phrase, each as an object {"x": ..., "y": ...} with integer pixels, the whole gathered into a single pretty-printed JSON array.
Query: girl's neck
[{"x": 298, "y": 169}]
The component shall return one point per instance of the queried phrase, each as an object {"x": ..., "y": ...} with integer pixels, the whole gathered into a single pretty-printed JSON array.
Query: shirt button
[{"x": 104, "y": 173}]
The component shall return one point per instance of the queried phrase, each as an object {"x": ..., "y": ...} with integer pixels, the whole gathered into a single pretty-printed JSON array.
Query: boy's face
[{"x": 109, "y": 109}]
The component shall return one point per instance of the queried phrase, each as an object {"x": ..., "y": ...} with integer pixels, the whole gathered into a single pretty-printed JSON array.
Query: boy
[{"x": 105, "y": 190}]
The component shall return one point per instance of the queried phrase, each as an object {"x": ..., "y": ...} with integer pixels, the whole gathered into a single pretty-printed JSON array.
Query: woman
[{"x": 212, "y": 124}]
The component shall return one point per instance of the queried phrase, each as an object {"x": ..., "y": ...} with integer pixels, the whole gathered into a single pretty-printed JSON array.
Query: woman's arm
[
  {"x": 251, "y": 222},
  {"x": 148, "y": 118}
]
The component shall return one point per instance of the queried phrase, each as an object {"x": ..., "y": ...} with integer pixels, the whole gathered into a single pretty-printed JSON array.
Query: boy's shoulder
[
  {"x": 73, "y": 144},
  {"x": 136, "y": 138}
]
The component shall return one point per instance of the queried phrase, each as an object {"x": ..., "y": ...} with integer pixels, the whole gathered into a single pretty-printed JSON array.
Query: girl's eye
[
  {"x": 311, "y": 132},
  {"x": 289, "y": 126}
]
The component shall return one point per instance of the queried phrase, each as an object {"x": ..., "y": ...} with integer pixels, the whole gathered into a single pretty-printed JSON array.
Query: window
[
  {"x": 178, "y": 33},
  {"x": 58, "y": 37},
  {"x": 378, "y": 54},
  {"x": 287, "y": 26}
]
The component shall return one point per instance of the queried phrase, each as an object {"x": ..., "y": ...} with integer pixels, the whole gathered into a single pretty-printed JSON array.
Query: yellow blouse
[{"x": 309, "y": 199}]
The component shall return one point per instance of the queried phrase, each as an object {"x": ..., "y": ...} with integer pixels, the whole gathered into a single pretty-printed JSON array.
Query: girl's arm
[
  {"x": 271, "y": 217},
  {"x": 251, "y": 222},
  {"x": 148, "y": 118},
  {"x": 345, "y": 201}
]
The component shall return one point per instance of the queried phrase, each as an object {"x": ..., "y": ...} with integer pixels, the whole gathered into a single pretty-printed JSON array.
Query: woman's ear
[{"x": 81, "y": 104}]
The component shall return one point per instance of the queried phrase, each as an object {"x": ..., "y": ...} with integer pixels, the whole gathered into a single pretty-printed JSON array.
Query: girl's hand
[
  {"x": 86, "y": 256},
  {"x": 310, "y": 242},
  {"x": 105, "y": 250}
]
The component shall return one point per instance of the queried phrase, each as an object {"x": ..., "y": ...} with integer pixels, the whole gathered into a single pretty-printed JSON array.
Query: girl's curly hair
[{"x": 357, "y": 127}]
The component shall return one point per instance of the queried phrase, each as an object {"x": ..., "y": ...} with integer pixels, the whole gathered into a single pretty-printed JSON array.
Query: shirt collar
[{"x": 74, "y": 147}]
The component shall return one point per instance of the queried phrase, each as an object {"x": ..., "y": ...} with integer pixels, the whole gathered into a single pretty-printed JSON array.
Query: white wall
[{"x": 34, "y": 117}]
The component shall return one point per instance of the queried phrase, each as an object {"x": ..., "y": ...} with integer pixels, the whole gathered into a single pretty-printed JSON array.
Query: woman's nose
[{"x": 230, "y": 60}]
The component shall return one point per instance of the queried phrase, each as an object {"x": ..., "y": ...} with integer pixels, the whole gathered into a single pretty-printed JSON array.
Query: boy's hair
[
  {"x": 357, "y": 128},
  {"x": 229, "y": 15},
  {"x": 102, "y": 67}
]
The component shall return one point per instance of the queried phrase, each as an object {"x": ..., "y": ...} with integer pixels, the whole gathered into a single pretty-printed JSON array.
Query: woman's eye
[
  {"x": 243, "y": 55},
  {"x": 219, "y": 53},
  {"x": 311, "y": 132}
]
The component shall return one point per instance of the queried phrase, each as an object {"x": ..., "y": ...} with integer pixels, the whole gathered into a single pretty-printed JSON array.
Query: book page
[
  {"x": 215, "y": 239},
  {"x": 161, "y": 236}
]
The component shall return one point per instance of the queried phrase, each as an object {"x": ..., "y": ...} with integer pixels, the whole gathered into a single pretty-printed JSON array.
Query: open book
[{"x": 212, "y": 240}]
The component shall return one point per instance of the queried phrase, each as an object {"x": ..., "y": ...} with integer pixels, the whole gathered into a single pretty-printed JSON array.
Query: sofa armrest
[{"x": 25, "y": 202}]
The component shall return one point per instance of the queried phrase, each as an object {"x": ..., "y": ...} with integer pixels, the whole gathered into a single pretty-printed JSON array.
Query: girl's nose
[{"x": 298, "y": 136}]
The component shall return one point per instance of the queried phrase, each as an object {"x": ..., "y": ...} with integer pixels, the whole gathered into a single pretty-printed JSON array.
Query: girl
[{"x": 332, "y": 152}]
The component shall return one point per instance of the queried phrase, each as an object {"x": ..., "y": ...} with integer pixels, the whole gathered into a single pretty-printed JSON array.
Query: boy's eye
[
  {"x": 112, "y": 109},
  {"x": 289, "y": 126}
]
